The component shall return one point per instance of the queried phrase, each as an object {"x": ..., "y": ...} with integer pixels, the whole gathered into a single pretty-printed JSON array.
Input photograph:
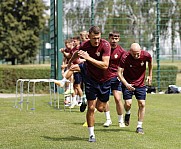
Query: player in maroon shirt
[
  {"x": 132, "y": 73},
  {"x": 96, "y": 52},
  {"x": 116, "y": 54}
]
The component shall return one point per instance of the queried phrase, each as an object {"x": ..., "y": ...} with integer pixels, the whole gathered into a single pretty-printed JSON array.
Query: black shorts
[
  {"x": 94, "y": 89},
  {"x": 77, "y": 78}
]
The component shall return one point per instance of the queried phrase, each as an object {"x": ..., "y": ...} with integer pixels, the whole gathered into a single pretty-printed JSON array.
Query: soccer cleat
[
  {"x": 126, "y": 119},
  {"x": 72, "y": 105},
  {"x": 121, "y": 124},
  {"x": 92, "y": 139},
  {"x": 83, "y": 106},
  {"x": 79, "y": 104},
  {"x": 139, "y": 130},
  {"x": 107, "y": 123},
  {"x": 60, "y": 83}
]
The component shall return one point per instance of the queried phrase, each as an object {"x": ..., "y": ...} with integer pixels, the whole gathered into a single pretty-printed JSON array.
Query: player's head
[
  {"x": 76, "y": 41},
  {"x": 84, "y": 36},
  {"x": 135, "y": 50},
  {"x": 114, "y": 38},
  {"x": 95, "y": 36},
  {"x": 69, "y": 43}
]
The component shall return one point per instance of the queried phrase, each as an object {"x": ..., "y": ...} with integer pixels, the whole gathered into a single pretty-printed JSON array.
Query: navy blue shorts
[
  {"x": 77, "y": 78},
  {"x": 116, "y": 84},
  {"x": 83, "y": 71},
  {"x": 94, "y": 89},
  {"x": 139, "y": 92}
]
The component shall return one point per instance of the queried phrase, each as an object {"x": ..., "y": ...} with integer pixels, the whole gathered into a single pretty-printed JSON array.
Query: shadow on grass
[
  {"x": 68, "y": 138},
  {"x": 114, "y": 130}
]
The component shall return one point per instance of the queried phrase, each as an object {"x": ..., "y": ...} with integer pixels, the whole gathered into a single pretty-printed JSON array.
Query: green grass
[{"x": 50, "y": 128}]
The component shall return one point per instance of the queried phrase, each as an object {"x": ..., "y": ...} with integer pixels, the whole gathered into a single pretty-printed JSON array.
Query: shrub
[
  {"x": 168, "y": 76},
  {"x": 9, "y": 76}
]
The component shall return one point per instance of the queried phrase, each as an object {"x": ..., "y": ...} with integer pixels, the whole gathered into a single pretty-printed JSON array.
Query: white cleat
[
  {"x": 107, "y": 123},
  {"x": 121, "y": 125},
  {"x": 73, "y": 105}
]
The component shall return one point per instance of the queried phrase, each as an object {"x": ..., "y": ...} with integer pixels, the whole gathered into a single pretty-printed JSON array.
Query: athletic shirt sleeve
[
  {"x": 105, "y": 45},
  {"x": 122, "y": 61},
  {"x": 147, "y": 56}
]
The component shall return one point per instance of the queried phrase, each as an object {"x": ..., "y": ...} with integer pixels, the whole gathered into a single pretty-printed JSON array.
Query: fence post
[
  {"x": 59, "y": 37},
  {"x": 52, "y": 39},
  {"x": 92, "y": 12},
  {"x": 158, "y": 43}
]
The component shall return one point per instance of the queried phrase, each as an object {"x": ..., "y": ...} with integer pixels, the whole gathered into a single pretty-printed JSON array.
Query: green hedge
[
  {"x": 168, "y": 76},
  {"x": 9, "y": 75}
]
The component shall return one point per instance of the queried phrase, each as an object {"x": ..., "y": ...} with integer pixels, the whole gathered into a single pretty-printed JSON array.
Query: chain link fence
[{"x": 155, "y": 24}]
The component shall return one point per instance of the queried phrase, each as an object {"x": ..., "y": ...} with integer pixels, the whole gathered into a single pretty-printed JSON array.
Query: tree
[{"x": 21, "y": 22}]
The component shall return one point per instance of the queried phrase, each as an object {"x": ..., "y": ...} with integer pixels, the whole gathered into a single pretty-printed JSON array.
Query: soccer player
[
  {"x": 132, "y": 73},
  {"x": 116, "y": 54},
  {"x": 84, "y": 36},
  {"x": 77, "y": 75},
  {"x": 66, "y": 56},
  {"x": 96, "y": 52}
]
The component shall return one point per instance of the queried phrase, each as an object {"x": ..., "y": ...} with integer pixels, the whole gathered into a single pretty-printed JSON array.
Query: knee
[
  {"x": 101, "y": 108},
  {"x": 141, "y": 105},
  {"x": 118, "y": 101},
  {"x": 127, "y": 104},
  {"x": 91, "y": 109}
]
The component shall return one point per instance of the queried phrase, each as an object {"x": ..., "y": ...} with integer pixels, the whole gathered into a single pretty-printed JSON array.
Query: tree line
[{"x": 21, "y": 23}]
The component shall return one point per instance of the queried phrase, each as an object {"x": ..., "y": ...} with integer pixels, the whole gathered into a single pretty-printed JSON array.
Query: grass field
[{"x": 50, "y": 128}]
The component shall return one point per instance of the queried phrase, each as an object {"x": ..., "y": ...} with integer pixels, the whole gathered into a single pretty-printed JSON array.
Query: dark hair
[
  {"x": 114, "y": 34},
  {"x": 95, "y": 30},
  {"x": 76, "y": 38}
]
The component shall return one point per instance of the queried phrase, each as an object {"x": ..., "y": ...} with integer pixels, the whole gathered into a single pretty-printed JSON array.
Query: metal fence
[{"x": 155, "y": 24}]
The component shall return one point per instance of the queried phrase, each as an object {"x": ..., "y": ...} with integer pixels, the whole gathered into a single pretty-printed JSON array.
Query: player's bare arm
[
  {"x": 74, "y": 56},
  {"x": 149, "y": 77},
  {"x": 123, "y": 80},
  {"x": 100, "y": 64}
]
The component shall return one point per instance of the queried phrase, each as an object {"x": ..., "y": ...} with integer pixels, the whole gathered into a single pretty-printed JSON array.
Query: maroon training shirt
[
  {"x": 134, "y": 69},
  {"x": 104, "y": 49}
]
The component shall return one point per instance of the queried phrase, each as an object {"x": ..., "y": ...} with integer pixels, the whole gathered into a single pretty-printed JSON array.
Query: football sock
[
  {"x": 74, "y": 99},
  {"x": 120, "y": 118},
  {"x": 64, "y": 80},
  {"x": 128, "y": 112},
  {"x": 139, "y": 124},
  {"x": 107, "y": 114},
  {"x": 91, "y": 131}
]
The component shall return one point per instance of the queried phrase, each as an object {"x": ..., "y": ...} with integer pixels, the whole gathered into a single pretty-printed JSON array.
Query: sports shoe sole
[
  {"x": 139, "y": 130},
  {"x": 91, "y": 139}
]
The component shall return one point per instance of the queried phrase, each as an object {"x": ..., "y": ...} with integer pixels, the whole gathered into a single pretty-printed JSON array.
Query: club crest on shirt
[
  {"x": 98, "y": 53},
  {"x": 142, "y": 63},
  {"x": 116, "y": 56}
]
